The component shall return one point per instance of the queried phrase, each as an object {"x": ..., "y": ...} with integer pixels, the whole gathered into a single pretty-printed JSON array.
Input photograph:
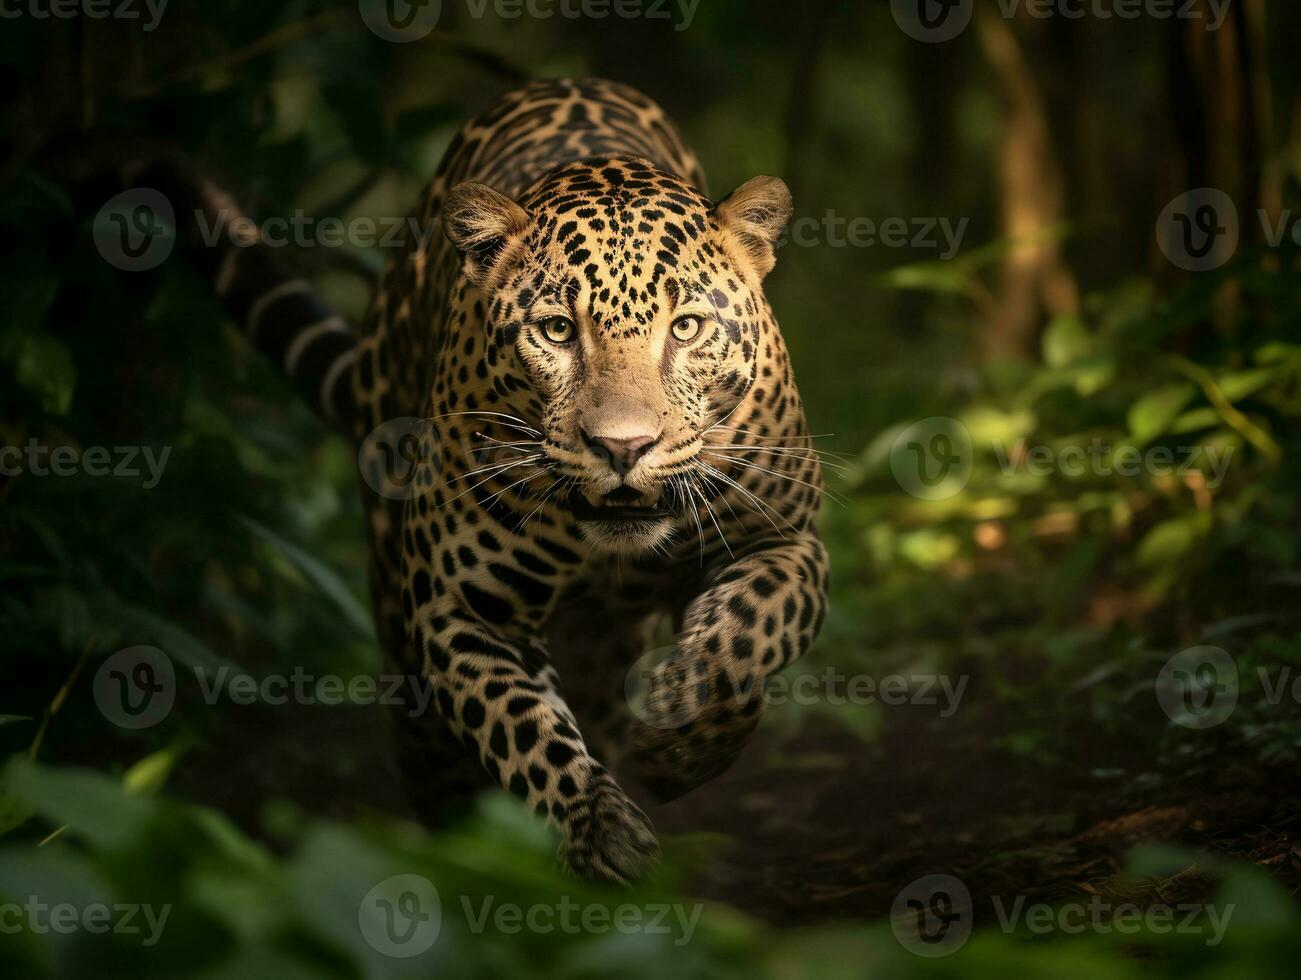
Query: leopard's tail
[{"x": 280, "y": 312}]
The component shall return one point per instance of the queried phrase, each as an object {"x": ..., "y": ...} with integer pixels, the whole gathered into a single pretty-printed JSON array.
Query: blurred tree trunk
[
  {"x": 801, "y": 103},
  {"x": 1034, "y": 281},
  {"x": 1219, "y": 106},
  {"x": 935, "y": 77},
  {"x": 1216, "y": 92}
]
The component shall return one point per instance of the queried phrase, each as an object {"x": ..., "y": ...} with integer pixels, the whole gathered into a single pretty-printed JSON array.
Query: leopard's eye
[
  {"x": 687, "y": 329},
  {"x": 559, "y": 329}
]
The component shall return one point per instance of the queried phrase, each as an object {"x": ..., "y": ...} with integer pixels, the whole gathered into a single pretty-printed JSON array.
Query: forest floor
[
  {"x": 824, "y": 827},
  {"x": 836, "y": 830}
]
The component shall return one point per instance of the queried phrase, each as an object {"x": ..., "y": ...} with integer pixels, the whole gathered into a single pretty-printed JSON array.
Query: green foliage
[{"x": 1061, "y": 591}]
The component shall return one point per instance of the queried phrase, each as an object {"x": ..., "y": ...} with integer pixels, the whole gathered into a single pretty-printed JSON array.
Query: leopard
[{"x": 607, "y": 538}]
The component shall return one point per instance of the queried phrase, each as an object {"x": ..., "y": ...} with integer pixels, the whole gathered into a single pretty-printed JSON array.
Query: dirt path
[
  {"x": 824, "y": 827},
  {"x": 832, "y": 830}
]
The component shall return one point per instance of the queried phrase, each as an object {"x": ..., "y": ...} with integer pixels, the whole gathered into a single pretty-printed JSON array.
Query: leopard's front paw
[
  {"x": 608, "y": 837},
  {"x": 690, "y": 726}
]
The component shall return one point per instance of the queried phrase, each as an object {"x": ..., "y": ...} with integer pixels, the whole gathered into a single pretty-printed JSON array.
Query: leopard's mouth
[{"x": 622, "y": 504}]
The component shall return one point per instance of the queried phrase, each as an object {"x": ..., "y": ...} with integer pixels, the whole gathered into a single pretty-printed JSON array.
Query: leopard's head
[{"x": 624, "y": 317}]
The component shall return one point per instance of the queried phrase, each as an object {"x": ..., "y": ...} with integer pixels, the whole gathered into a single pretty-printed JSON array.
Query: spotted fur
[{"x": 586, "y": 328}]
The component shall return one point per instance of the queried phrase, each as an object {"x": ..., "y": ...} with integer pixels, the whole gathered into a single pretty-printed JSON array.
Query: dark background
[{"x": 1056, "y": 597}]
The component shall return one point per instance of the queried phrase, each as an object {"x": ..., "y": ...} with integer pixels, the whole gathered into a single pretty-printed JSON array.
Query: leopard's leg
[
  {"x": 441, "y": 777},
  {"x": 597, "y": 640},
  {"x": 754, "y": 616},
  {"x": 497, "y": 691}
]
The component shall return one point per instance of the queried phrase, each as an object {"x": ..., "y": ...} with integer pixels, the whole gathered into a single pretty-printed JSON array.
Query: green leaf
[
  {"x": 938, "y": 277},
  {"x": 1065, "y": 341},
  {"x": 92, "y": 805},
  {"x": 1243, "y": 384},
  {"x": 1195, "y": 421},
  {"x": 14, "y": 812},
  {"x": 1168, "y": 542},
  {"x": 149, "y": 775},
  {"x": 42, "y": 365},
  {"x": 1153, "y": 414},
  {"x": 174, "y": 640},
  {"x": 319, "y": 574}
]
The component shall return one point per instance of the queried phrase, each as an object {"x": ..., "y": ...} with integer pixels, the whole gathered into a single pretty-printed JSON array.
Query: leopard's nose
[{"x": 621, "y": 453}]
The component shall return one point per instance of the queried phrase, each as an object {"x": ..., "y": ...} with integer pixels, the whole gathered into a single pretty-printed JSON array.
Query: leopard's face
[{"x": 625, "y": 312}]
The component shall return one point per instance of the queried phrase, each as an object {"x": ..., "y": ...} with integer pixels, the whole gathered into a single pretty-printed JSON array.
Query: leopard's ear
[
  {"x": 755, "y": 214},
  {"x": 486, "y": 227}
]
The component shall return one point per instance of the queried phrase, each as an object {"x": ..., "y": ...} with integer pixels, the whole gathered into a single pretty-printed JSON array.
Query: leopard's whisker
[
  {"x": 812, "y": 455},
  {"x": 830, "y": 494},
  {"x": 470, "y": 474},
  {"x": 517, "y": 447},
  {"x": 545, "y": 497},
  {"x": 695, "y": 514},
  {"x": 710, "y": 511},
  {"x": 531, "y": 476},
  {"x": 762, "y": 508},
  {"x": 754, "y": 435},
  {"x": 498, "y": 442},
  {"x": 488, "y": 479},
  {"x": 514, "y": 422},
  {"x": 749, "y": 499}
]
